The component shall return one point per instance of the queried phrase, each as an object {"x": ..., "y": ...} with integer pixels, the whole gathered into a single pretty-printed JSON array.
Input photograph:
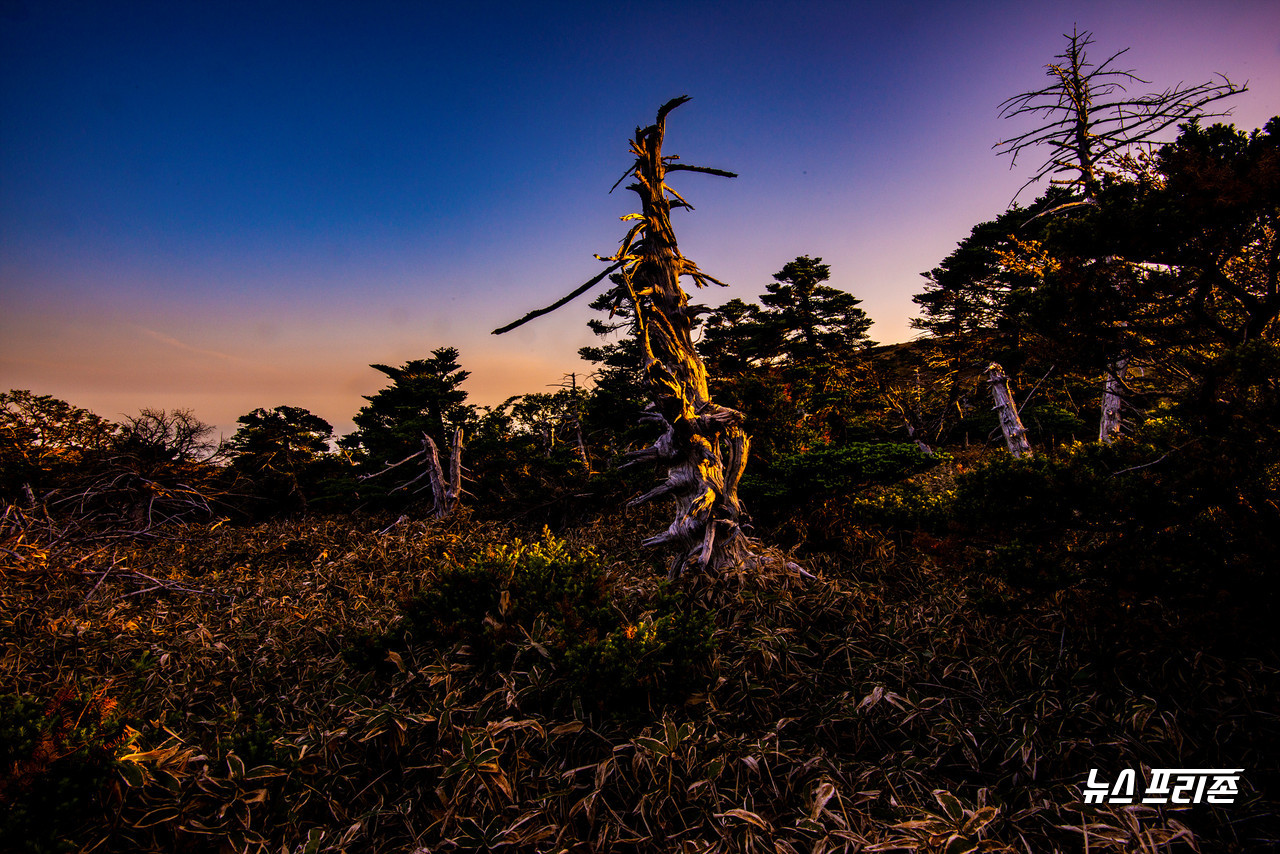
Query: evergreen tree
[
  {"x": 44, "y": 439},
  {"x": 735, "y": 338},
  {"x": 806, "y": 320},
  {"x": 425, "y": 396},
  {"x": 791, "y": 366},
  {"x": 618, "y": 394},
  {"x": 1214, "y": 217},
  {"x": 278, "y": 450}
]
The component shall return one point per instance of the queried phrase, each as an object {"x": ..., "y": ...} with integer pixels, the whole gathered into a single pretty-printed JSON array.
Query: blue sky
[{"x": 227, "y": 205}]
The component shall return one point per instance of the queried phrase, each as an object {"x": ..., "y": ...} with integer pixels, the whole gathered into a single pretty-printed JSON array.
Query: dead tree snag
[
  {"x": 1109, "y": 425},
  {"x": 445, "y": 492},
  {"x": 1015, "y": 435},
  {"x": 703, "y": 445}
]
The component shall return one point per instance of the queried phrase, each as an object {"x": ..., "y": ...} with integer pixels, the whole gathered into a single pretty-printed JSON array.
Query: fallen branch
[{"x": 157, "y": 584}]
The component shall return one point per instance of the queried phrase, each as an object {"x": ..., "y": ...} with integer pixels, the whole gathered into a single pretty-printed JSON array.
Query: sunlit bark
[{"x": 703, "y": 445}]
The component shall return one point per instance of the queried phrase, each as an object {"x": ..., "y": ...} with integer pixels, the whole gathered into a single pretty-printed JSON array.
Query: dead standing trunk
[
  {"x": 915, "y": 431},
  {"x": 912, "y": 421},
  {"x": 1015, "y": 435},
  {"x": 582, "y": 445},
  {"x": 702, "y": 445},
  {"x": 1112, "y": 400},
  {"x": 445, "y": 492}
]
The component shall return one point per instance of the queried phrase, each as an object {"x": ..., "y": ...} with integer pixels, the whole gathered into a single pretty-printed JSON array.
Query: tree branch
[
  {"x": 682, "y": 167},
  {"x": 576, "y": 293}
]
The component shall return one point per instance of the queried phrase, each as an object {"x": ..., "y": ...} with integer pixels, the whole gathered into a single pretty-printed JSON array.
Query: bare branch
[
  {"x": 576, "y": 293},
  {"x": 681, "y": 167},
  {"x": 1084, "y": 130}
]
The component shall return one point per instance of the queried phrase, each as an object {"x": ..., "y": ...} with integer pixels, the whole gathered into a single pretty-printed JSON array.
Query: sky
[{"x": 225, "y": 205}]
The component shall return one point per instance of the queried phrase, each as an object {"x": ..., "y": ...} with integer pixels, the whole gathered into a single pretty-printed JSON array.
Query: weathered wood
[
  {"x": 453, "y": 491},
  {"x": 578, "y": 291},
  {"x": 1015, "y": 435},
  {"x": 702, "y": 445},
  {"x": 1086, "y": 117},
  {"x": 435, "y": 475},
  {"x": 1109, "y": 425},
  {"x": 916, "y": 434},
  {"x": 446, "y": 493},
  {"x": 911, "y": 420}
]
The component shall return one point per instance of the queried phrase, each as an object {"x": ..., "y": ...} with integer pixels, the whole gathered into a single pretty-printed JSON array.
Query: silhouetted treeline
[{"x": 1161, "y": 286}]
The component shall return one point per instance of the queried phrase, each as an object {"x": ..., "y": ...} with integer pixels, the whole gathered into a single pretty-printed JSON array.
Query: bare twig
[
  {"x": 1031, "y": 393},
  {"x": 1156, "y": 461},
  {"x": 158, "y": 584}
]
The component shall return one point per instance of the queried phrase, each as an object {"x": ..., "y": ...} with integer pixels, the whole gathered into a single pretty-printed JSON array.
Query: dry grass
[{"x": 877, "y": 708}]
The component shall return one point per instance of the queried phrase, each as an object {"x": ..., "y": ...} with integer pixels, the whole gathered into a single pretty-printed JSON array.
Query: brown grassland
[{"x": 270, "y": 688}]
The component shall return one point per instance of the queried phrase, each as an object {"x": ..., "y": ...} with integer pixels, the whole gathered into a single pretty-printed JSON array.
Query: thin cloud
[{"x": 199, "y": 351}]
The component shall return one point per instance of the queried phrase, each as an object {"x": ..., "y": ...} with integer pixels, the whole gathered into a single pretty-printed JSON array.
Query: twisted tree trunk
[{"x": 702, "y": 445}]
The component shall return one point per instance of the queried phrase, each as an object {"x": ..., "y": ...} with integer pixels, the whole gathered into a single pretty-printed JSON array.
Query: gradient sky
[{"x": 231, "y": 205}]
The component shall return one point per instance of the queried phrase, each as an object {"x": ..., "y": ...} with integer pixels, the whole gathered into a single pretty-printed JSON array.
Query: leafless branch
[
  {"x": 1084, "y": 125},
  {"x": 1156, "y": 461},
  {"x": 576, "y": 293}
]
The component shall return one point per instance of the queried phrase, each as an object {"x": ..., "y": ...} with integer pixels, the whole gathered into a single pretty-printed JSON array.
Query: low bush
[
  {"x": 660, "y": 659},
  {"x": 824, "y": 472},
  {"x": 55, "y": 758},
  {"x": 543, "y": 594},
  {"x": 1134, "y": 512},
  {"x": 489, "y": 598}
]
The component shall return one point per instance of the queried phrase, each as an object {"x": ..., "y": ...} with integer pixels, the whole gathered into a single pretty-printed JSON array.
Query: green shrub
[
  {"x": 507, "y": 587},
  {"x": 55, "y": 759},
  {"x": 828, "y": 471},
  {"x": 659, "y": 659},
  {"x": 1132, "y": 512},
  {"x": 508, "y": 593},
  {"x": 1052, "y": 423},
  {"x": 905, "y": 507},
  {"x": 1078, "y": 487},
  {"x": 255, "y": 742}
]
